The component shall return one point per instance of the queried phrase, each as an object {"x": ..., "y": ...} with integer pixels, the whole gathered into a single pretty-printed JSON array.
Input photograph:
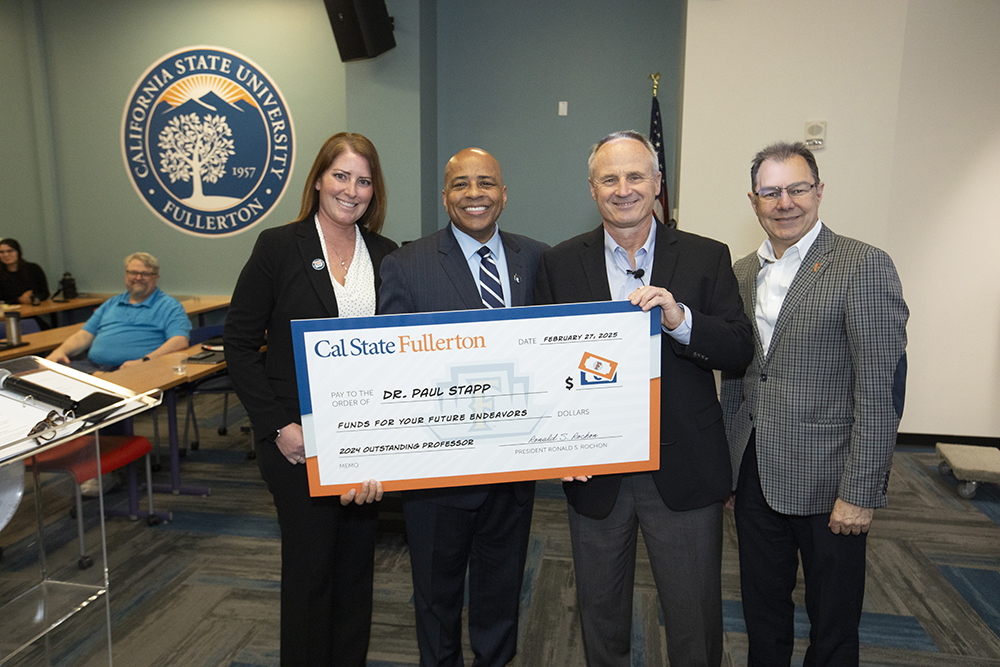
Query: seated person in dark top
[
  {"x": 130, "y": 328},
  {"x": 20, "y": 280}
]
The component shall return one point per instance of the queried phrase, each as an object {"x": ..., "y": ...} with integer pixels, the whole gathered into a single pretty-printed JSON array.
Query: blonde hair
[{"x": 151, "y": 262}]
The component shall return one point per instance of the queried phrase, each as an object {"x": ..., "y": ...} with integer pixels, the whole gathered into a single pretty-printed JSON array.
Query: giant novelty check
[{"x": 479, "y": 396}]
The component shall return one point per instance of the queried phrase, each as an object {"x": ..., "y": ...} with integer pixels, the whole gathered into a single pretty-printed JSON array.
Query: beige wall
[{"x": 911, "y": 94}]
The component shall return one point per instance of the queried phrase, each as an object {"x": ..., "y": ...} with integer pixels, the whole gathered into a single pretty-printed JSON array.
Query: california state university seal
[{"x": 208, "y": 141}]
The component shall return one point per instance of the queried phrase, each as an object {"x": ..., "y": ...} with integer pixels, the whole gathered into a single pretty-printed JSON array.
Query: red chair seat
[
  {"x": 77, "y": 455},
  {"x": 76, "y": 458}
]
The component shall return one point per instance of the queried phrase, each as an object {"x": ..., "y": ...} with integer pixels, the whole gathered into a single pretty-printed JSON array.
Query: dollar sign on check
[{"x": 569, "y": 383}]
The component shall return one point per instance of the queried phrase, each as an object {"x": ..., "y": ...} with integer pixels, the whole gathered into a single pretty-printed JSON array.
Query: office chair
[
  {"x": 216, "y": 384},
  {"x": 76, "y": 459},
  {"x": 28, "y": 326}
]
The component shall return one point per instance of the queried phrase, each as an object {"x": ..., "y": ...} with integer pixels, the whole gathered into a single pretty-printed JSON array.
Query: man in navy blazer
[
  {"x": 469, "y": 264},
  {"x": 679, "y": 506},
  {"x": 812, "y": 422}
]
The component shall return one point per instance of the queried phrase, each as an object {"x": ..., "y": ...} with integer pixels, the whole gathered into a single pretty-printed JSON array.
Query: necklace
[
  {"x": 326, "y": 244},
  {"x": 335, "y": 252},
  {"x": 343, "y": 263}
]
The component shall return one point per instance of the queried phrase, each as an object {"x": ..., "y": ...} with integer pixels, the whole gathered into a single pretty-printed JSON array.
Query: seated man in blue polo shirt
[{"x": 130, "y": 328}]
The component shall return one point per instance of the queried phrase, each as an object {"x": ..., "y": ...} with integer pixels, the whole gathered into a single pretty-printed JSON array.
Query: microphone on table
[{"x": 23, "y": 387}]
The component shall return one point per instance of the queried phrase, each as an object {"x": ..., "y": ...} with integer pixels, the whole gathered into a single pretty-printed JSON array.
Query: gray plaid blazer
[{"x": 826, "y": 399}]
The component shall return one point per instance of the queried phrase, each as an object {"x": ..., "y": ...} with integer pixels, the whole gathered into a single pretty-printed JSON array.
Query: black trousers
[
  {"x": 834, "y": 567},
  {"x": 327, "y": 567},
  {"x": 492, "y": 542}
]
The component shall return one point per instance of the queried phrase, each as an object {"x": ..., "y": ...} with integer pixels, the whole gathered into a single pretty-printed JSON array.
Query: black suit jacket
[
  {"x": 694, "y": 457},
  {"x": 432, "y": 274},
  {"x": 280, "y": 283}
]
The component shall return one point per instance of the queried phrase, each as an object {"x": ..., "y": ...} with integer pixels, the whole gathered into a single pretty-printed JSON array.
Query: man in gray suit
[
  {"x": 812, "y": 422},
  {"x": 469, "y": 264}
]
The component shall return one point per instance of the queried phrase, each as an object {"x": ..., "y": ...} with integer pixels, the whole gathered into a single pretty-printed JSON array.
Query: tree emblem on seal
[
  {"x": 208, "y": 141},
  {"x": 196, "y": 149}
]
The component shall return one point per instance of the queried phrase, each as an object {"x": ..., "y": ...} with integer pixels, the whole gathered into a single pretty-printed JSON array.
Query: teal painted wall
[
  {"x": 94, "y": 51},
  {"x": 464, "y": 72},
  {"x": 20, "y": 190},
  {"x": 384, "y": 103},
  {"x": 429, "y": 202},
  {"x": 503, "y": 67}
]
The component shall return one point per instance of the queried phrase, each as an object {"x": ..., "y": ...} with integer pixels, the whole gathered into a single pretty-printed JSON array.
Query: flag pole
[{"x": 661, "y": 209}]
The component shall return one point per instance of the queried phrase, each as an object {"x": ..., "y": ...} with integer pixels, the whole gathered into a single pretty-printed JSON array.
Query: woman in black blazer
[{"x": 325, "y": 264}]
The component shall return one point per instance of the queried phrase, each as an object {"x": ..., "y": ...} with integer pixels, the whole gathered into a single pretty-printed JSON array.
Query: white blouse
[{"x": 356, "y": 297}]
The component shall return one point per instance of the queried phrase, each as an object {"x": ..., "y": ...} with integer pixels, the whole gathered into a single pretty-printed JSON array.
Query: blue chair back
[
  {"x": 201, "y": 334},
  {"x": 27, "y": 326}
]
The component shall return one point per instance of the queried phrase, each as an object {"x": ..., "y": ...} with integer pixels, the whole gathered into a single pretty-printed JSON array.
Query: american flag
[{"x": 661, "y": 209}]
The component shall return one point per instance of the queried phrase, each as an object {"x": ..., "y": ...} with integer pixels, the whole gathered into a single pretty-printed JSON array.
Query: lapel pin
[
  {"x": 816, "y": 268},
  {"x": 517, "y": 278},
  {"x": 318, "y": 264}
]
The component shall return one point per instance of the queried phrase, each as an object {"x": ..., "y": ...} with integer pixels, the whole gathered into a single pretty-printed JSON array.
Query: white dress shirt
[
  {"x": 470, "y": 247},
  {"x": 774, "y": 278},
  {"x": 623, "y": 283}
]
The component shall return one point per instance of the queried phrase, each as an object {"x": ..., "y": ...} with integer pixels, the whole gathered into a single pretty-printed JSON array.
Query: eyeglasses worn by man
[{"x": 131, "y": 328}]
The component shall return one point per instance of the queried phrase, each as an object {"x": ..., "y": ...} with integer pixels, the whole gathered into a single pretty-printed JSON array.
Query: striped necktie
[{"x": 489, "y": 280}]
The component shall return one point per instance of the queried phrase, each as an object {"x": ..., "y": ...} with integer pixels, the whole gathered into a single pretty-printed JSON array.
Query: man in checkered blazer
[{"x": 812, "y": 421}]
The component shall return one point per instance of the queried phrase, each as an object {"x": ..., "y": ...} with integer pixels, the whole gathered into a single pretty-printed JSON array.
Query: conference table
[
  {"x": 160, "y": 373},
  {"x": 53, "y": 308},
  {"x": 40, "y": 343},
  {"x": 200, "y": 305},
  {"x": 157, "y": 373},
  {"x": 43, "y": 342}
]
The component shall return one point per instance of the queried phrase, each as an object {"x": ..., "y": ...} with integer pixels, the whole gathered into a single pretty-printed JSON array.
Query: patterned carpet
[{"x": 202, "y": 590}]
